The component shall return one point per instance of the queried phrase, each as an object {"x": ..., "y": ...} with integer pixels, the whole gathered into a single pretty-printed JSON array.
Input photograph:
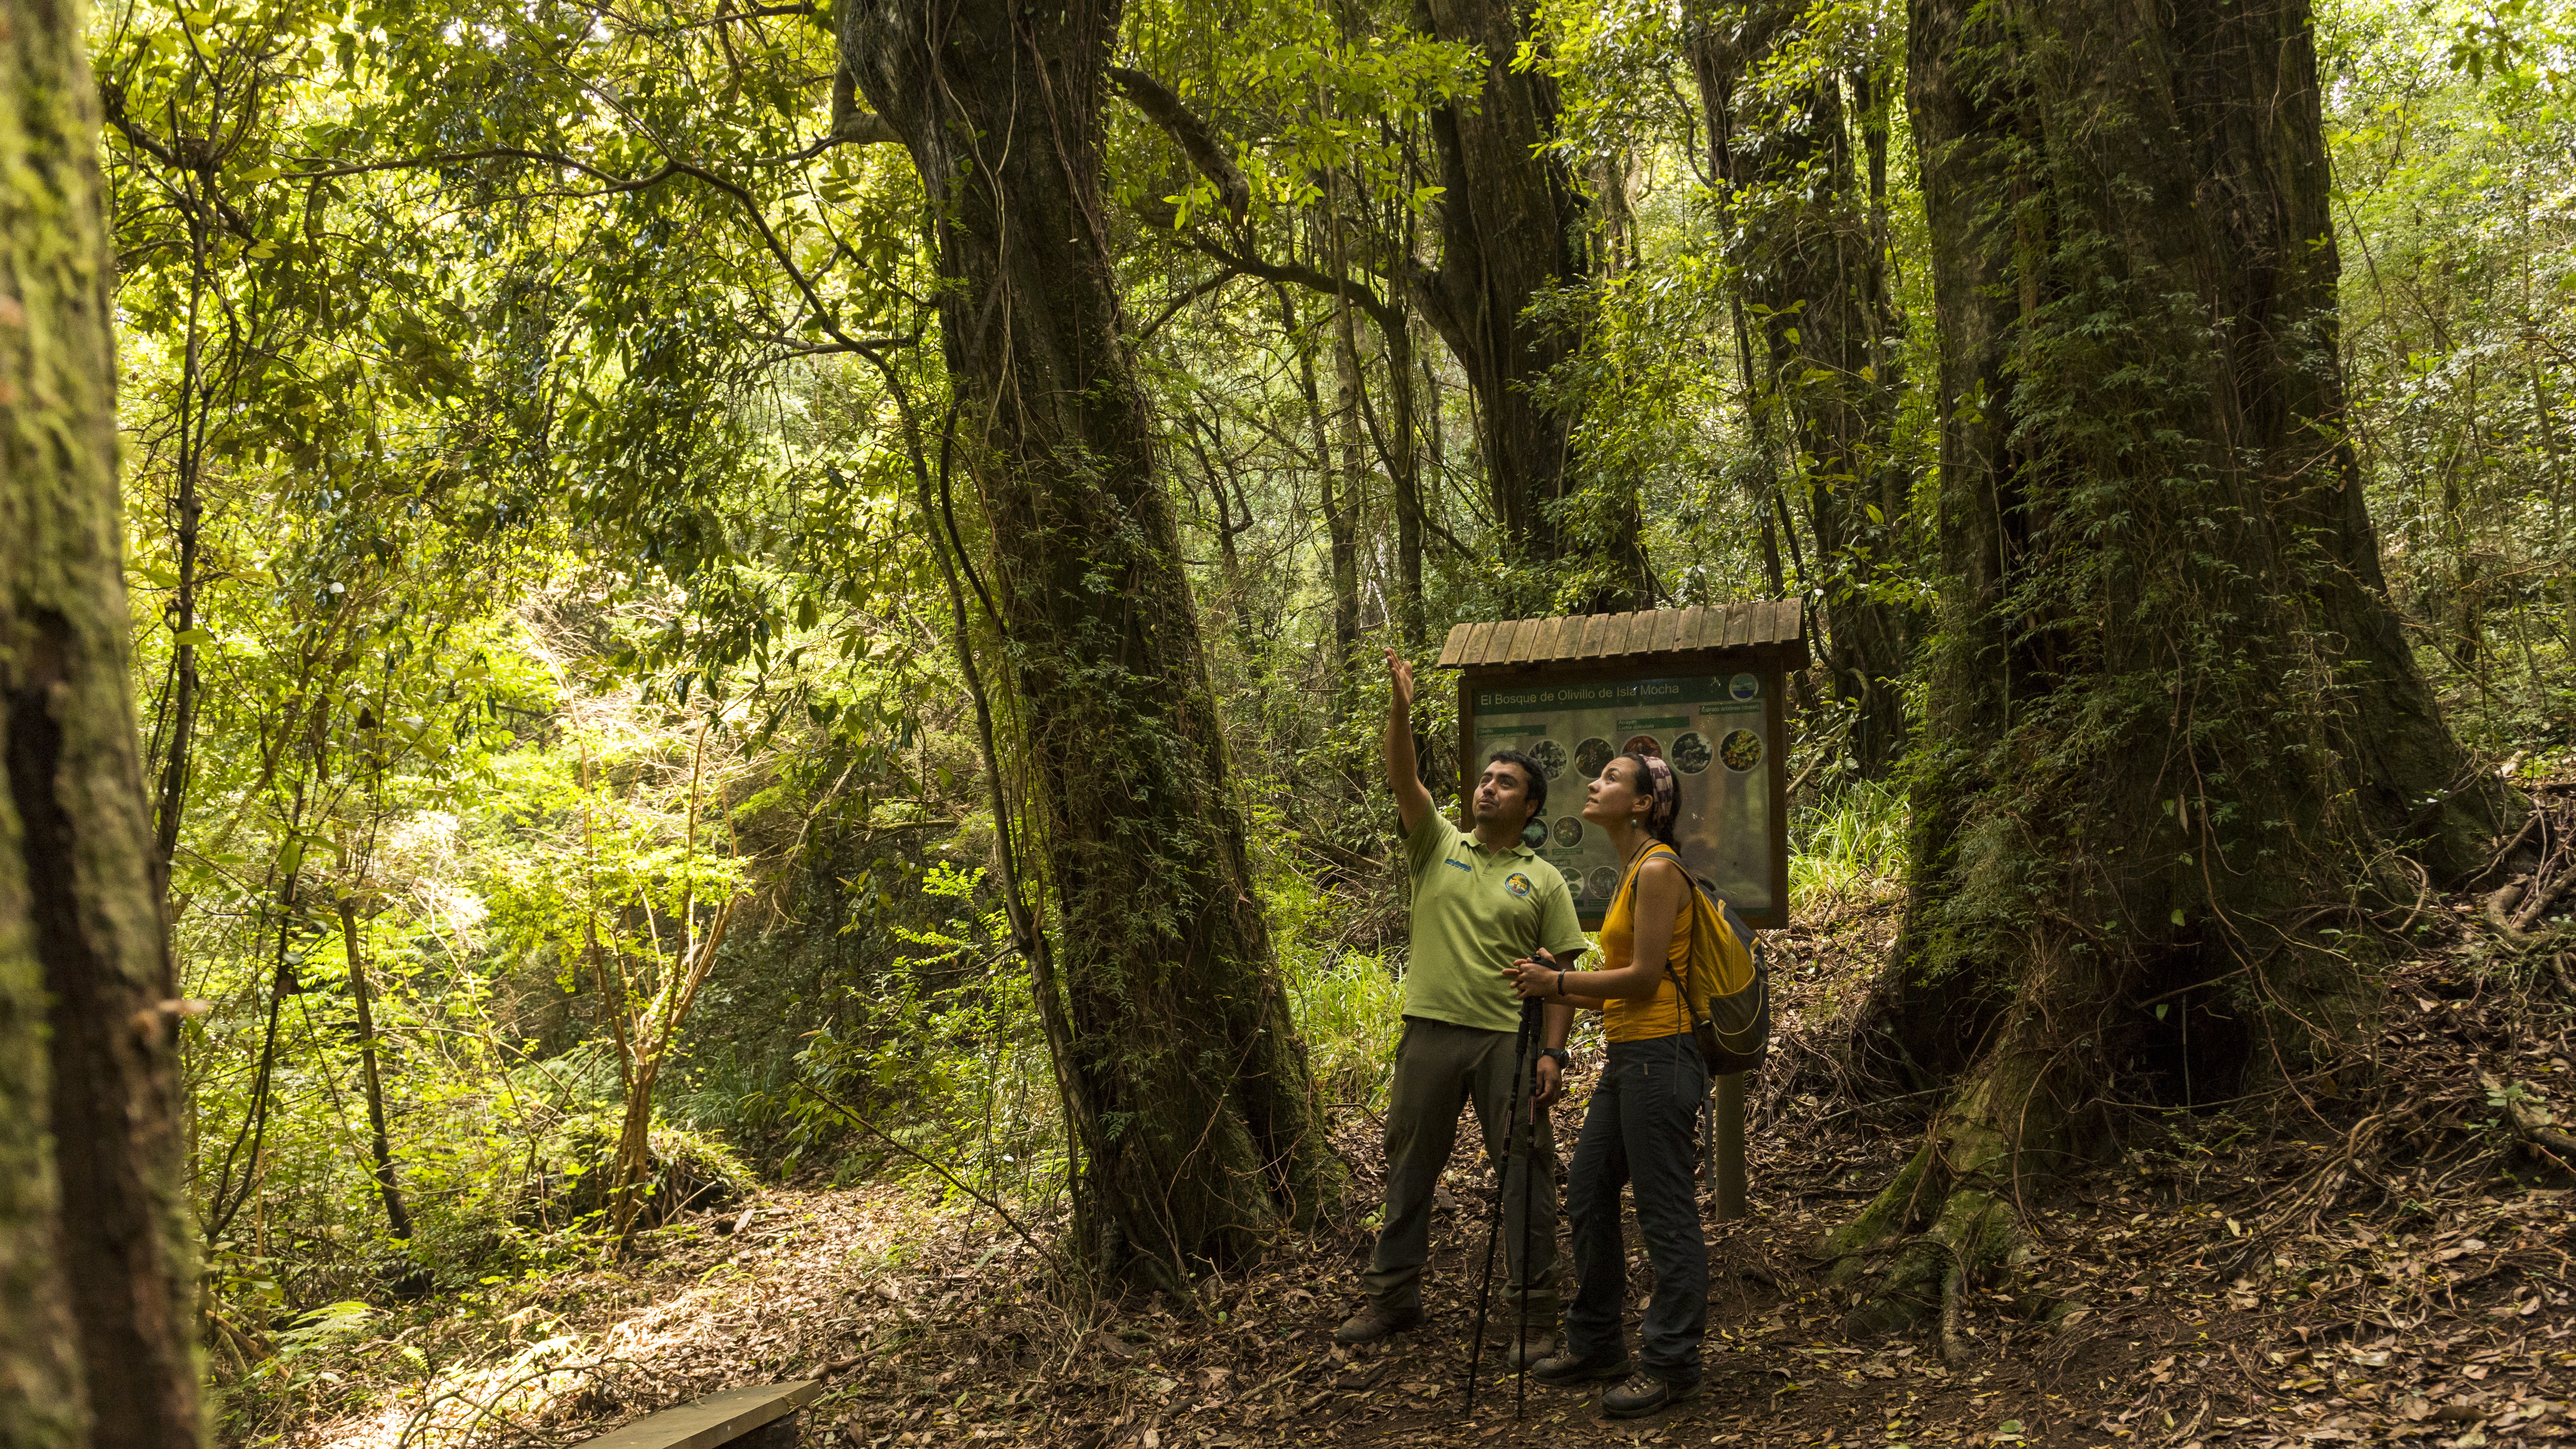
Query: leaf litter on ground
[{"x": 2384, "y": 1262}]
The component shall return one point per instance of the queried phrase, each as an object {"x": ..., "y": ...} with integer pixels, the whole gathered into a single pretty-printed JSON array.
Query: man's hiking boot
[
  {"x": 1532, "y": 1351},
  {"x": 1566, "y": 1371},
  {"x": 1373, "y": 1323},
  {"x": 1644, "y": 1394}
]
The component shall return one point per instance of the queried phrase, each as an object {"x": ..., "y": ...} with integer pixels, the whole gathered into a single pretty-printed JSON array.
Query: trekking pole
[
  {"x": 1494, "y": 1222},
  {"x": 1531, "y": 1015}
]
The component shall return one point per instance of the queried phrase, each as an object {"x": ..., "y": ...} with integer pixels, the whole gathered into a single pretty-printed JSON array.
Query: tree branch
[
  {"x": 1197, "y": 140},
  {"x": 610, "y": 184},
  {"x": 1192, "y": 294}
]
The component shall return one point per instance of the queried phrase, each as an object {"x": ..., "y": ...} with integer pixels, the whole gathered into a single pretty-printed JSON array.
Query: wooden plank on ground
[{"x": 714, "y": 1420}]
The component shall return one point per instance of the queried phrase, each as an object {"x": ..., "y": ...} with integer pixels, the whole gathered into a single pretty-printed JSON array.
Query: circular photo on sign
[
  {"x": 1741, "y": 750},
  {"x": 1534, "y": 834},
  {"x": 1643, "y": 747},
  {"x": 1591, "y": 755},
  {"x": 1691, "y": 753},
  {"x": 1569, "y": 831},
  {"x": 1550, "y": 756},
  {"x": 1601, "y": 882},
  {"x": 1744, "y": 686}
]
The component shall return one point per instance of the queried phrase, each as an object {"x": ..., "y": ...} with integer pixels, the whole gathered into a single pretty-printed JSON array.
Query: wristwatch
[{"x": 1563, "y": 1057}]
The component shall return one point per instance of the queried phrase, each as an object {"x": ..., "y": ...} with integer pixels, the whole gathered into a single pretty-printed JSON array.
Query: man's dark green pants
[{"x": 1438, "y": 1068}]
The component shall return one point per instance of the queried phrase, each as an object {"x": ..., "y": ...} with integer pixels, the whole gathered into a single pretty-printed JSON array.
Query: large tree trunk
[
  {"x": 1208, "y": 1131},
  {"x": 2171, "y": 714},
  {"x": 1512, "y": 228},
  {"x": 1805, "y": 189},
  {"x": 97, "y": 1332}
]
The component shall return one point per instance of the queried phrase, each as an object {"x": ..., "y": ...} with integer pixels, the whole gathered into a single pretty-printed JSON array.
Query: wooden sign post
[{"x": 1701, "y": 687}]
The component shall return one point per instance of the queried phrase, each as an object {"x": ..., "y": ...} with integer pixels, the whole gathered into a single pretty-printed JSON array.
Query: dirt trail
[{"x": 2391, "y": 1267}]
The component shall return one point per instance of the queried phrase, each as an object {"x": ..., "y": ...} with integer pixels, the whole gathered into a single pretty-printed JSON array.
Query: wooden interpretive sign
[{"x": 1701, "y": 687}]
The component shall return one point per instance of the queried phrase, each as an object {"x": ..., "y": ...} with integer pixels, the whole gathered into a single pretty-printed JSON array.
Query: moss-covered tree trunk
[
  {"x": 1207, "y": 1130},
  {"x": 1805, "y": 187},
  {"x": 2172, "y": 721},
  {"x": 97, "y": 1328},
  {"x": 1513, "y": 228}
]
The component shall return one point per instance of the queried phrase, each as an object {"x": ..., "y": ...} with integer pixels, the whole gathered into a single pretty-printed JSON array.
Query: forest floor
[{"x": 2383, "y": 1263}]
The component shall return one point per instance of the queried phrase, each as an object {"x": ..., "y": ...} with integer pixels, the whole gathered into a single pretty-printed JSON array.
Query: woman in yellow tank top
[{"x": 1640, "y": 1129}]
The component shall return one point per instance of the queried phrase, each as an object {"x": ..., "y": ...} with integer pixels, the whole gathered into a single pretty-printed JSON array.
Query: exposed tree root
[
  {"x": 1946, "y": 1221},
  {"x": 2534, "y": 1126}
]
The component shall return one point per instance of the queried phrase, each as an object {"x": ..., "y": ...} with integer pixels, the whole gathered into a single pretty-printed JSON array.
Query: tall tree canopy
[{"x": 775, "y": 593}]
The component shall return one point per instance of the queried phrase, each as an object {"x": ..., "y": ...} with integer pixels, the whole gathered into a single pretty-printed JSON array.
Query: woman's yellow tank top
[{"x": 1642, "y": 1018}]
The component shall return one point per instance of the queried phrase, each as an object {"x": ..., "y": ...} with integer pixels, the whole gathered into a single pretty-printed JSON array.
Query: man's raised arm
[{"x": 1402, "y": 776}]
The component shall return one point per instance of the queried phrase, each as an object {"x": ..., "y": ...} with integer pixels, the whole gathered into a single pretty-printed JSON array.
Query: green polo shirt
[{"x": 1476, "y": 911}]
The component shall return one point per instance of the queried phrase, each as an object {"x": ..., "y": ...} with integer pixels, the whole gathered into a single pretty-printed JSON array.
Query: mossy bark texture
[
  {"x": 1514, "y": 228},
  {"x": 1204, "y": 1129},
  {"x": 97, "y": 1341},
  {"x": 2175, "y": 736}
]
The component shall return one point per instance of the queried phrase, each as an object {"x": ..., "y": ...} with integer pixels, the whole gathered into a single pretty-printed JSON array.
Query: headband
[{"x": 1668, "y": 791}]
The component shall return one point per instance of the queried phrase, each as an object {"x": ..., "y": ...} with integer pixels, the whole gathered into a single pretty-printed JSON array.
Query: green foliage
[
  {"x": 521, "y": 561},
  {"x": 1348, "y": 1003},
  {"x": 2451, "y": 126},
  {"x": 1852, "y": 844}
]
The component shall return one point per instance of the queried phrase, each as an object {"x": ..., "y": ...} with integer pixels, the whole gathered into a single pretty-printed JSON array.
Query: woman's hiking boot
[{"x": 1565, "y": 1370}]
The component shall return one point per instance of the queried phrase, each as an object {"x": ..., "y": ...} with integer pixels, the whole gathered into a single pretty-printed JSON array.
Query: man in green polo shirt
[{"x": 1481, "y": 900}]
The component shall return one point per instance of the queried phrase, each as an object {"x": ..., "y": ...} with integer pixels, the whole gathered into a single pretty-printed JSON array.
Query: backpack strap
[{"x": 1681, "y": 919}]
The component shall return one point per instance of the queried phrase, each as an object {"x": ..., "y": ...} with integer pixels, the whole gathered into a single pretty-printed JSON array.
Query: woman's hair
[{"x": 1664, "y": 792}]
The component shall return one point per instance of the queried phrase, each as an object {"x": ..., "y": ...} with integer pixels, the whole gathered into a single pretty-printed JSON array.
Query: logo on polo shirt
[
  {"x": 1518, "y": 884},
  {"x": 1462, "y": 865}
]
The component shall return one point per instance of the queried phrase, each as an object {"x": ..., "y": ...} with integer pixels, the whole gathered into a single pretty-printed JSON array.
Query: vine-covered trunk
[
  {"x": 1202, "y": 1124},
  {"x": 1806, "y": 193},
  {"x": 1404, "y": 474},
  {"x": 2171, "y": 717},
  {"x": 97, "y": 1283},
  {"x": 1513, "y": 229},
  {"x": 1343, "y": 508}
]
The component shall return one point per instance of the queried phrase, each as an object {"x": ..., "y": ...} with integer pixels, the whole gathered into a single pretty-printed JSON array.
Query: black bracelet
[
  {"x": 1560, "y": 983},
  {"x": 1563, "y": 1057}
]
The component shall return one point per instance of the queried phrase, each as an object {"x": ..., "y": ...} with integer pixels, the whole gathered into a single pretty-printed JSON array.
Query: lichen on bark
[{"x": 97, "y": 1322}]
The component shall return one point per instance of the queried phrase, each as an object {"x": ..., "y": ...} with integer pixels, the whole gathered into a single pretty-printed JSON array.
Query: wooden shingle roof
[{"x": 1766, "y": 624}]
